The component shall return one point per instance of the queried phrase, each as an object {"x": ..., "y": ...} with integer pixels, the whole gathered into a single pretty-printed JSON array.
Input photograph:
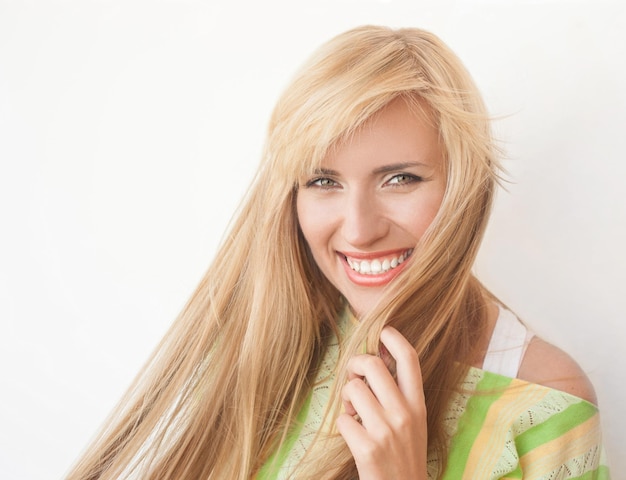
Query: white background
[{"x": 130, "y": 129}]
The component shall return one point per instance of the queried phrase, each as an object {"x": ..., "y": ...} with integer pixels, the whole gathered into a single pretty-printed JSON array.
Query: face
[{"x": 371, "y": 201}]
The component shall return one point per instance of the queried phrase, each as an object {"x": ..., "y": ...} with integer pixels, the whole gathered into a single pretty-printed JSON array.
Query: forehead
[{"x": 400, "y": 132}]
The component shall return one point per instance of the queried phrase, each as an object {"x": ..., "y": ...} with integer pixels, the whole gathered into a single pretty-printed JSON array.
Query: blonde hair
[{"x": 220, "y": 392}]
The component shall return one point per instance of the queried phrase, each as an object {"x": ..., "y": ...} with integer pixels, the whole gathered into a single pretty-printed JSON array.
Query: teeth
[{"x": 378, "y": 266}]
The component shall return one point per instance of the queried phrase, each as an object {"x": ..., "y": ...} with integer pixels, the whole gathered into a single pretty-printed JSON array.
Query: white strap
[{"x": 507, "y": 346}]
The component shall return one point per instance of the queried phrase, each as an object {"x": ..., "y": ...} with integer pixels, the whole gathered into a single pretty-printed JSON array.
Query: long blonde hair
[{"x": 220, "y": 392}]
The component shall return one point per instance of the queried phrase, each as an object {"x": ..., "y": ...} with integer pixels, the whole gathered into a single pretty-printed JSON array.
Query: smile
[{"x": 377, "y": 266}]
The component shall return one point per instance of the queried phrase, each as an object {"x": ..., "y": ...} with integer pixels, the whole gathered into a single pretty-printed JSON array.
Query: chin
[{"x": 360, "y": 306}]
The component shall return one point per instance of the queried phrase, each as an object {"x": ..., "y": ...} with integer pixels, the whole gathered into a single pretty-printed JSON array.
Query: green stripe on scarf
[
  {"x": 490, "y": 389},
  {"x": 555, "y": 426}
]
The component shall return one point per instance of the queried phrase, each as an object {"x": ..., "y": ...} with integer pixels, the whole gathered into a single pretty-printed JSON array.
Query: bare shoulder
[{"x": 550, "y": 366}]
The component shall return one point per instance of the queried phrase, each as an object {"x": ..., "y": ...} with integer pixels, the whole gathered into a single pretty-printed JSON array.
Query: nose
[{"x": 363, "y": 220}]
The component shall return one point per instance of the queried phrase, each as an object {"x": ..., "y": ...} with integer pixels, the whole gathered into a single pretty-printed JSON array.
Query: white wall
[{"x": 130, "y": 129}]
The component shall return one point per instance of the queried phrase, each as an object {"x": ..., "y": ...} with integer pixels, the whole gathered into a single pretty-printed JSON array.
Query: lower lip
[{"x": 377, "y": 280}]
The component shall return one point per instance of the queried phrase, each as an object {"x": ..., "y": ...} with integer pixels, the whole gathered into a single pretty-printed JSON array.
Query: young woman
[{"x": 340, "y": 333}]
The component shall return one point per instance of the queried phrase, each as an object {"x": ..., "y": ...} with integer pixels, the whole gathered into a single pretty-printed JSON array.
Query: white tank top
[{"x": 507, "y": 346}]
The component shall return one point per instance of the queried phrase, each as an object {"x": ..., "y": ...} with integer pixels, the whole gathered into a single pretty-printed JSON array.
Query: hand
[{"x": 390, "y": 440}]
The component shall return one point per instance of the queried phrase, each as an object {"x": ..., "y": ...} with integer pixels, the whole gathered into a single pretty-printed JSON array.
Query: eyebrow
[
  {"x": 326, "y": 171},
  {"x": 398, "y": 166},
  {"x": 384, "y": 169}
]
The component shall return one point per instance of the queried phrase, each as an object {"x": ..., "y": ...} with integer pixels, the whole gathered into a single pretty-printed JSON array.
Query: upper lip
[{"x": 373, "y": 255}]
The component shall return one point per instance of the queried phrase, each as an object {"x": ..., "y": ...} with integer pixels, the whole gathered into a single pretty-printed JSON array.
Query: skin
[
  {"x": 373, "y": 199},
  {"x": 375, "y": 196},
  {"x": 390, "y": 439},
  {"x": 544, "y": 364}
]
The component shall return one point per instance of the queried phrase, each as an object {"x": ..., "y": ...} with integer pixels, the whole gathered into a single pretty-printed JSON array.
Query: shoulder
[{"x": 548, "y": 365}]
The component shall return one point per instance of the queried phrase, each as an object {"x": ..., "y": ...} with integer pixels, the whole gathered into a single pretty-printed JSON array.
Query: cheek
[
  {"x": 417, "y": 217},
  {"x": 311, "y": 221}
]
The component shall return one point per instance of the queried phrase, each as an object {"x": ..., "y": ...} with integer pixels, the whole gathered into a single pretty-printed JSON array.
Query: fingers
[
  {"x": 372, "y": 389},
  {"x": 360, "y": 400},
  {"x": 376, "y": 370},
  {"x": 384, "y": 424},
  {"x": 374, "y": 376},
  {"x": 408, "y": 371}
]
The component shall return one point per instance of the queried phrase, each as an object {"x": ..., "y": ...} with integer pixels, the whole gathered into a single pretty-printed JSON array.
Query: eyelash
[
  {"x": 408, "y": 179},
  {"x": 315, "y": 183}
]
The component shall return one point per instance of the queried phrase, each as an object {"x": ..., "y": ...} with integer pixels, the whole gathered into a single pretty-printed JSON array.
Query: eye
[
  {"x": 403, "y": 179},
  {"x": 321, "y": 182}
]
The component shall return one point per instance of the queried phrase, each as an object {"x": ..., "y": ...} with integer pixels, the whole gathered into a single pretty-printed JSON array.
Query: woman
[{"x": 340, "y": 333}]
